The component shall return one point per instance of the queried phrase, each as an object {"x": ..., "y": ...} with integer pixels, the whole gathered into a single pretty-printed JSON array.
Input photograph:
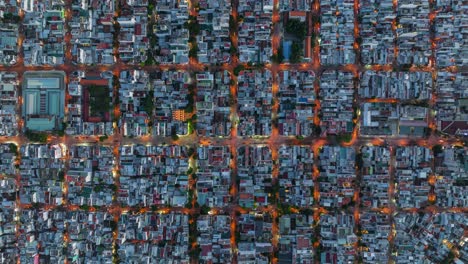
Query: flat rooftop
[
  {"x": 43, "y": 83},
  {"x": 44, "y": 99},
  {"x": 43, "y": 80}
]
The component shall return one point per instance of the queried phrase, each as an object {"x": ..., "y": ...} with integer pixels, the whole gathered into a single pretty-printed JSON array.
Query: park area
[{"x": 97, "y": 104}]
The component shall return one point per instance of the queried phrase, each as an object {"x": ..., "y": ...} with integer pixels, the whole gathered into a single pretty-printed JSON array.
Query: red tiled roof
[
  {"x": 297, "y": 13},
  {"x": 99, "y": 82}
]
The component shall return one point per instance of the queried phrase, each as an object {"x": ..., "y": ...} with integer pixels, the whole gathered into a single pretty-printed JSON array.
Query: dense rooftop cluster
[
  {"x": 91, "y": 28},
  {"x": 295, "y": 175},
  {"x": 375, "y": 177},
  {"x": 171, "y": 32},
  {"x": 428, "y": 237},
  {"x": 42, "y": 169},
  {"x": 136, "y": 103},
  {"x": 170, "y": 102},
  {"x": 213, "y": 176},
  {"x": 377, "y": 22},
  {"x": 336, "y": 99},
  {"x": 9, "y": 18},
  {"x": 412, "y": 31},
  {"x": 413, "y": 169},
  {"x": 336, "y": 32},
  {"x": 44, "y": 30},
  {"x": 337, "y": 176},
  {"x": 133, "y": 31},
  {"x": 213, "y": 104},
  {"x": 153, "y": 175},
  {"x": 255, "y": 30},
  {"x": 254, "y": 103},
  {"x": 90, "y": 177},
  {"x": 219, "y": 131},
  {"x": 8, "y": 103},
  {"x": 297, "y": 101},
  {"x": 214, "y": 38},
  {"x": 254, "y": 174}
]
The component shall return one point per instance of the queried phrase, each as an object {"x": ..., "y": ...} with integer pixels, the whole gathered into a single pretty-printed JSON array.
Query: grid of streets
[{"x": 258, "y": 183}]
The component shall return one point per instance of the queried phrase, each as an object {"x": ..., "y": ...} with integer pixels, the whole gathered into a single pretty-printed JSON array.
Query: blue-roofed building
[
  {"x": 44, "y": 100},
  {"x": 287, "y": 44}
]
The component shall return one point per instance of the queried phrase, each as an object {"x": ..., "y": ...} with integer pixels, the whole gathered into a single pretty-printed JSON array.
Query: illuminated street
[{"x": 235, "y": 140}]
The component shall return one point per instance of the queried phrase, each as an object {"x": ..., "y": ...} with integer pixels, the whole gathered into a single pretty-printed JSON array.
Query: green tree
[
  {"x": 13, "y": 148},
  {"x": 238, "y": 69},
  {"x": 174, "y": 137},
  {"x": 437, "y": 149},
  {"x": 204, "y": 209},
  {"x": 61, "y": 175},
  {"x": 296, "y": 52},
  {"x": 296, "y": 28},
  {"x": 232, "y": 24},
  {"x": 36, "y": 136},
  {"x": 278, "y": 57},
  {"x": 102, "y": 138}
]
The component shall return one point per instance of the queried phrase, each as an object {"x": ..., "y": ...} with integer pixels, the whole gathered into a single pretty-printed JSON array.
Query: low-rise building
[
  {"x": 254, "y": 30},
  {"x": 377, "y": 20},
  {"x": 41, "y": 236},
  {"x": 295, "y": 175},
  {"x": 413, "y": 168},
  {"x": 133, "y": 36},
  {"x": 336, "y": 100},
  {"x": 170, "y": 97},
  {"x": 412, "y": 29},
  {"x": 337, "y": 238},
  {"x": 254, "y": 173},
  {"x": 9, "y": 85},
  {"x": 42, "y": 172},
  {"x": 337, "y": 176},
  {"x": 151, "y": 238},
  {"x": 171, "y": 32},
  {"x": 452, "y": 103},
  {"x": 254, "y": 102},
  {"x": 379, "y": 119},
  {"x": 213, "y": 176},
  {"x": 375, "y": 230},
  {"x": 451, "y": 174},
  {"x": 213, "y": 104},
  {"x": 91, "y": 27},
  {"x": 153, "y": 175},
  {"x": 214, "y": 238},
  {"x": 136, "y": 103},
  {"x": 297, "y": 100},
  {"x": 450, "y": 34},
  {"x": 296, "y": 239},
  {"x": 255, "y": 234},
  {"x": 44, "y": 30},
  {"x": 90, "y": 106},
  {"x": 90, "y": 176},
  {"x": 429, "y": 237},
  {"x": 214, "y": 42},
  {"x": 376, "y": 176},
  {"x": 9, "y": 25},
  {"x": 90, "y": 235},
  {"x": 397, "y": 85},
  {"x": 337, "y": 32},
  {"x": 8, "y": 191}
]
